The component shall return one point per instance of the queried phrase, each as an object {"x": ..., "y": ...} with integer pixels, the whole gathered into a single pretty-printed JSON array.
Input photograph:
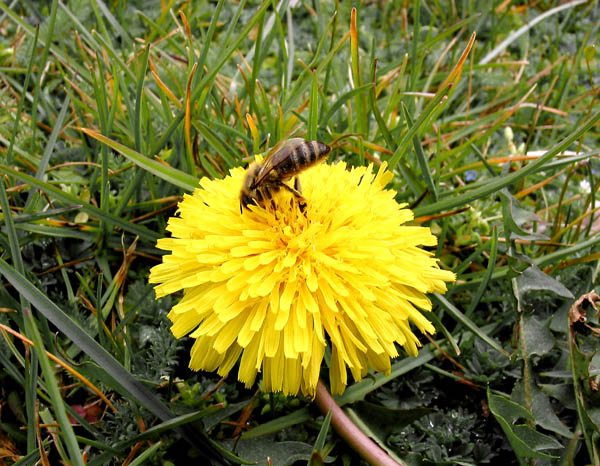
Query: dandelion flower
[{"x": 272, "y": 287}]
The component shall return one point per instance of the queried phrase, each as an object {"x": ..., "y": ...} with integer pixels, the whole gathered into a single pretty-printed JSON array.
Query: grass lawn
[{"x": 485, "y": 117}]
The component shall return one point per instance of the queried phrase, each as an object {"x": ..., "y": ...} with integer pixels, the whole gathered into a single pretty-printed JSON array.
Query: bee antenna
[{"x": 334, "y": 143}]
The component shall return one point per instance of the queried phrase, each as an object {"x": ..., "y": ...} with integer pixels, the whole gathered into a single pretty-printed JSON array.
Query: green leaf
[
  {"x": 280, "y": 453},
  {"x": 500, "y": 182},
  {"x": 534, "y": 279},
  {"x": 384, "y": 421},
  {"x": 313, "y": 108},
  {"x": 487, "y": 276},
  {"x": 538, "y": 337},
  {"x": 583, "y": 359},
  {"x": 464, "y": 320},
  {"x": 58, "y": 193},
  {"x": 421, "y": 157},
  {"x": 377, "y": 430},
  {"x": 525, "y": 441},
  {"x": 171, "y": 424},
  {"x": 165, "y": 172},
  {"x": 208, "y": 78},
  {"x": 341, "y": 101},
  {"x": 507, "y": 409},
  {"x": 146, "y": 454},
  {"x": 63, "y": 322},
  {"x": 320, "y": 442},
  {"x": 133, "y": 389},
  {"x": 58, "y": 404},
  {"x": 542, "y": 409},
  {"x": 416, "y": 128},
  {"x": 515, "y": 217},
  {"x": 271, "y": 427}
]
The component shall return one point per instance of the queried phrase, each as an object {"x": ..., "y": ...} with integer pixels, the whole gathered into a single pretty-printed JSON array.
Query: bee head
[
  {"x": 245, "y": 201},
  {"x": 248, "y": 193}
]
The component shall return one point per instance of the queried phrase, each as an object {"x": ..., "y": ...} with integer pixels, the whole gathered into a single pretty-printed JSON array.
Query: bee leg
[
  {"x": 266, "y": 193},
  {"x": 301, "y": 200},
  {"x": 299, "y": 197}
]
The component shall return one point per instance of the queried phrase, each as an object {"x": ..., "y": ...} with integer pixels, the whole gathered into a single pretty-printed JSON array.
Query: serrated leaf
[
  {"x": 525, "y": 441},
  {"x": 508, "y": 410},
  {"x": 562, "y": 392},
  {"x": 542, "y": 410},
  {"x": 534, "y": 279},
  {"x": 535, "y": 440},
  {"x": 515, "y": 218},
  {"x": 374, "y": 432},
  {"x": 280, "y": 453},
  {"x": 383, "y": 420},
  {"x": 538, "y": 337}
]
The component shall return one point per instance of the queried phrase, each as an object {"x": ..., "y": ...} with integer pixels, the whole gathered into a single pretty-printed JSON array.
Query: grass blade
[
  {"x": 208, "y": 77},
  {"x": 68, "y": 435},
  {"x": 169, "y": 174},
  {"x": 421, "y": 157},
  {"x": 360, "y": 98},
  {"x": 141, "y": 231},
  {"x": 460, "y": 317},
  {"x": 415, "y": 128},
  {"x": 487, "y": 276},
  {"x": 313, "y": 108},
  {"x": 500, "y": 182},
  {"x": 134, "y": 389}
]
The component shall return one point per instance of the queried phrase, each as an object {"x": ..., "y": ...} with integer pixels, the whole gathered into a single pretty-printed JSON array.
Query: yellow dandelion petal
[
  {"x": 259, "y": 317},
  {"x": 274, "y": 367},
  {"x": 347, "y": 328},
  {"x": 301, "y": 339},
  {"x": 269, "y": 289},
  {"x": 182, "y": 327},
  {"x": 326, "y": 296},
  {"x": 274, "y": 299},
  {"x": 282, "y": 319},
  {"x": 289, "y": 350},
  {"x": 246, "y": 335},
  {"x": 308, "y": 300},
  {"x": 311, "y": 364},
  {"x": 264, "y": 287},
  {"x": 379, "y": 362},
  {"x": 231, "y": 357},
  {"x": 228, "y": 334},
  {"x": 287, "y": 296},
  {"x": 300, "y": 313},
  {"x": 318, "y": 327},
  {"x": 271, "y": 337},
  {"x": 247, "y": 373},
  {"x": 203, "y": 356},
  {"x": 338, "y": 376}
]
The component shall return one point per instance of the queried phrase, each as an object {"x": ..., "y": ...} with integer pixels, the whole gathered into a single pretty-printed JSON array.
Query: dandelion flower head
[{"x": 272, "y": 287}]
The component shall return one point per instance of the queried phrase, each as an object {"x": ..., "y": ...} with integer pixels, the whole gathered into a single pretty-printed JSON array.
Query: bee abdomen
[{"x": 308, "y": 153}]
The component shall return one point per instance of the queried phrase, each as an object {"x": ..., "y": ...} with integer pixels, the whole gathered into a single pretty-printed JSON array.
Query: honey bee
[{"x": 285, "y": 160}]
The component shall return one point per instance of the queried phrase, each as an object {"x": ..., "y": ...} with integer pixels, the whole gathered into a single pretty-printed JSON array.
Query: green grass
[{"x": 111, "y": 111}]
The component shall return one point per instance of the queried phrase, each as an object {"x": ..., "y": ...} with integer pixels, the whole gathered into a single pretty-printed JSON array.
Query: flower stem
[{"x": 362, "y": 444}]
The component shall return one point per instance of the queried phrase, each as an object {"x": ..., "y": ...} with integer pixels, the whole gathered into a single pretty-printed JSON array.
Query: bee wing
[{"x": 278, "y": 153}]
